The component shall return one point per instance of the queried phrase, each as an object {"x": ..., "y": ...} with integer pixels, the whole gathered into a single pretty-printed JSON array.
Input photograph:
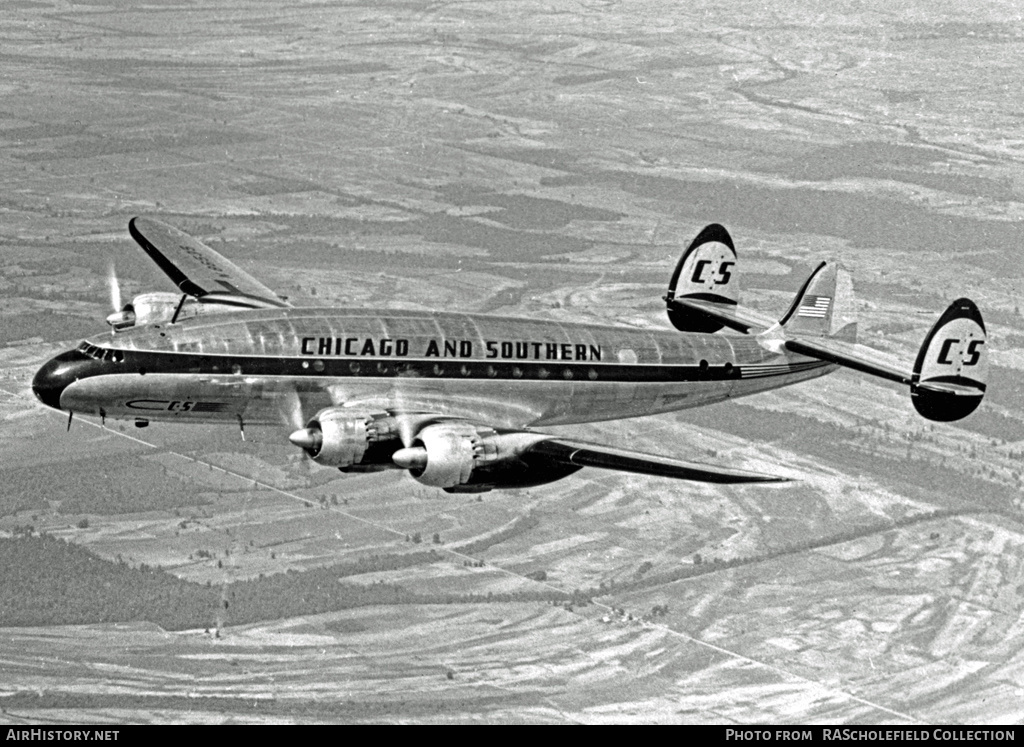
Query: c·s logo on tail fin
[
  {"x": 973, "y": 352},
  {"x": 719, "y": 277},
  {"x": 951, "y": 370}
]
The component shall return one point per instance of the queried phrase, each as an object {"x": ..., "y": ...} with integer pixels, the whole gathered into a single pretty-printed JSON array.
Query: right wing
[
  {"x": 586, "y": 454},
  {"x": 196, "y": 269},
  {"x": 465, "y": 454}
]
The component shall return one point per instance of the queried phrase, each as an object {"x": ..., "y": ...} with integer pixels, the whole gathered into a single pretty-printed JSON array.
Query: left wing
[{"x": 196, "y": 269}]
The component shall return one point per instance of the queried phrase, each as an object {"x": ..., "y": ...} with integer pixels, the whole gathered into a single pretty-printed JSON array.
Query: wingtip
[
  {"x": 760, "y": 478},
  {"x": 133, "y": 229}
]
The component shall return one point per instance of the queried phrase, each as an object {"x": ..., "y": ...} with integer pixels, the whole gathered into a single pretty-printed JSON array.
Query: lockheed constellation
[{"x": 457, "y": 399}]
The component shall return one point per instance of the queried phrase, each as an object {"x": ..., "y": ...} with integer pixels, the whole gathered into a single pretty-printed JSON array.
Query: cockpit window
[{"x": 101, "y": 354}]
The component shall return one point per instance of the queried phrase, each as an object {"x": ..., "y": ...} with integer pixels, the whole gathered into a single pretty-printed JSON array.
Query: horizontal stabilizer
[
  {"x": 584, "y": 454},
  {"x": 734, "y": 317},
  {"x": 858, "y": 357}
]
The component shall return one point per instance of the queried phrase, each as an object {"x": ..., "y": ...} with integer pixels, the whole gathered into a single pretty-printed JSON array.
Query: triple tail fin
[
  {"x": 704, "y": 292},
  {"x": 823, "y": 307},
  {"x": 947, "y": 381},
  {"x": 705, "y": 273},
  {"x": 951, "y": 370}
]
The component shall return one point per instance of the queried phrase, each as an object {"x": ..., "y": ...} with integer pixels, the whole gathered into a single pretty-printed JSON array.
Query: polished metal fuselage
[{"x": 276, "y": 366}]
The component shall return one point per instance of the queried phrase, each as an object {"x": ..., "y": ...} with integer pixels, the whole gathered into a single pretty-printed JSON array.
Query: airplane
[{"x": 457, "y": 399}]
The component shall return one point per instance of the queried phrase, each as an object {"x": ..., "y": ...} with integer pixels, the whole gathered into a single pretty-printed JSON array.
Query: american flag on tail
[{"x": 814, "y": 306}]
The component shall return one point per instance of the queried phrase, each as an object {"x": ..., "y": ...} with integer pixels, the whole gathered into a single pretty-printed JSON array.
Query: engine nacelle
[
  {"x": 160, "y": 308},
  {"x": 152, "y": 308},
  {"x": 341, "y": 438},
  {"x": 461, "y": 457},
  {"x": 449, "y": 453}
]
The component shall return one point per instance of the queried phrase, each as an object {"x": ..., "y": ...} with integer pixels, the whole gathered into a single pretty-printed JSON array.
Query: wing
[
  {"x": 467, "y": 455},
  {"x": 585, "y": 454},
  {"x": 195, "y": 268}
]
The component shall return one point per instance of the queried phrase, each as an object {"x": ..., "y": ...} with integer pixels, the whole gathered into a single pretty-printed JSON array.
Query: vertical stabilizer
[
  {"x": 823, "y": 307},
  {"x": 706, "y": 272},
  {"x": 951, "y": 370}
]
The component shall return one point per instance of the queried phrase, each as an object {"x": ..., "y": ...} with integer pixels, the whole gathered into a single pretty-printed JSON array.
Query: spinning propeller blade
[{"x": 114, "y": 287}]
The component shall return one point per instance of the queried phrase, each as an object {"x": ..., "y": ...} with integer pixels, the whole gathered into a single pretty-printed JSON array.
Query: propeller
[
  {"x": 307, "y": 439},
  {"x": 405, "y": 421},
  {"x": 121, "y": 317},
  {"x": 409, "y": 456},
  {"x": 114, "y": 287}
]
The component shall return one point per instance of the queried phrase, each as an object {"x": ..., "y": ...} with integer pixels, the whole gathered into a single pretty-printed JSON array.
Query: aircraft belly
[{"x": 611, "y": 401}]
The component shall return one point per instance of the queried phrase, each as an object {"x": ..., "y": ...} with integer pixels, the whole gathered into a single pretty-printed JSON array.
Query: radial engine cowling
[
  {"x": 443, "y": 456},
  {"x": 146, "y": 308},
  {"x": 340, "y": 438},
  {"x": 161, "y": 308},
  {"x": 461, "y": 457}
]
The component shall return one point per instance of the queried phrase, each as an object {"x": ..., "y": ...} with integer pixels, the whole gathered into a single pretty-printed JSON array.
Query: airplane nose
[{"x": 56, "y": 375}]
